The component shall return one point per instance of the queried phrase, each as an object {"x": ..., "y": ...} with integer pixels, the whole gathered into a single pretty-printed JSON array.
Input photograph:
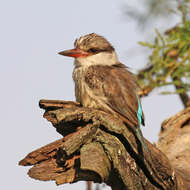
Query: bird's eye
[{"x": 92, "y": 50}]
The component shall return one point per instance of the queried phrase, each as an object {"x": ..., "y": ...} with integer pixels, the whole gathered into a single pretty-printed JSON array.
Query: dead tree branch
[{"x": 99, "y": 147}]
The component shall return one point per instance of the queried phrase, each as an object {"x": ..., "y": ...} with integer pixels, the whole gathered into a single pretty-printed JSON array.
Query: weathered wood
[
  {"x": 55, "y": 104},
  {"x": 94, "y": 158},
  {"x": 45, "y": 153},
  {"x": 78, "y": 139},
  {"x": 174, "y": 141},
  {"x": 99, "y": 147}
]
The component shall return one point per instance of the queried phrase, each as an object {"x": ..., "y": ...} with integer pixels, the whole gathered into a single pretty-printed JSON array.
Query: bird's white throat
[{"x": 102, "y": 58}]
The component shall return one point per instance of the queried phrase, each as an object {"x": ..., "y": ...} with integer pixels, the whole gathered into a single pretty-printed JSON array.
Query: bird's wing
[{"x": 117, "y": 87}]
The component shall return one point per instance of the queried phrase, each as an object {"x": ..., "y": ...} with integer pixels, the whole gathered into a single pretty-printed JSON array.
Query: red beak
[{"x": 74, "y": 53}]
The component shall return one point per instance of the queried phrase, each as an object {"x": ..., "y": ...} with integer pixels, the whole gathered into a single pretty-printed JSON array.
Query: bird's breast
[
  {"x": 82, "y": 92},
  {"x": 86, "y": 88}
]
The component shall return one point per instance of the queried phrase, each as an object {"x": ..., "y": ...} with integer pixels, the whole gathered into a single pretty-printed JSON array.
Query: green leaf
[{"x": 146, "y": 44}]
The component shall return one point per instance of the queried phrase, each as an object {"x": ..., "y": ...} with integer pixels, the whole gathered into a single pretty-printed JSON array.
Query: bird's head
[{"x": 92, "y": 49}]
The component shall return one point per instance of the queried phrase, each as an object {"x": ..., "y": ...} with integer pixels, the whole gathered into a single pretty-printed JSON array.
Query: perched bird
[{"x": 103, "y": 83}]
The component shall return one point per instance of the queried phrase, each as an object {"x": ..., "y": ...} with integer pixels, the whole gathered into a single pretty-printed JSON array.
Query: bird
[{"x": 102, "y": 82}]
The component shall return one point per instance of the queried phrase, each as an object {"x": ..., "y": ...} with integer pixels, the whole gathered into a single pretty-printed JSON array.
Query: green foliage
[{"x": 169, "y": 63}]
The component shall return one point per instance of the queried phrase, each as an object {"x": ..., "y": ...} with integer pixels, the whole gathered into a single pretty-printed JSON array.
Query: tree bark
[{"x": 99, "y": 147}]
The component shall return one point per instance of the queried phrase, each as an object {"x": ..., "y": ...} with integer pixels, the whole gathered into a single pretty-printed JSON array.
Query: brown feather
[{"x": 109, "y": 88}]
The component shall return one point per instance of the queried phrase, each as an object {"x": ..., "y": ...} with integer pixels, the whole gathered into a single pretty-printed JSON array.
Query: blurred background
[{"x": 32, "y": 32}]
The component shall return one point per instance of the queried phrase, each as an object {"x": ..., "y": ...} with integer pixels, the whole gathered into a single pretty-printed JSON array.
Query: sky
[{"x": 32, "y": 32}]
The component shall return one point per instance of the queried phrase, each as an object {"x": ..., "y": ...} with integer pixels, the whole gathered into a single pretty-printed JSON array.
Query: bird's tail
[{"x": 141, "y": 138}]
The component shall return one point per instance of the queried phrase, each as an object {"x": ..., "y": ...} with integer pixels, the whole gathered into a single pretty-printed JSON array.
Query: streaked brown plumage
[
  {"x": 109, "y": 88},
  {"x": 101, "y": 81}
]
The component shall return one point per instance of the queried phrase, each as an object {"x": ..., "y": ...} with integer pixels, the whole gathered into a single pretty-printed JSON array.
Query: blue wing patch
[{"x": 138, "y": 130}]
